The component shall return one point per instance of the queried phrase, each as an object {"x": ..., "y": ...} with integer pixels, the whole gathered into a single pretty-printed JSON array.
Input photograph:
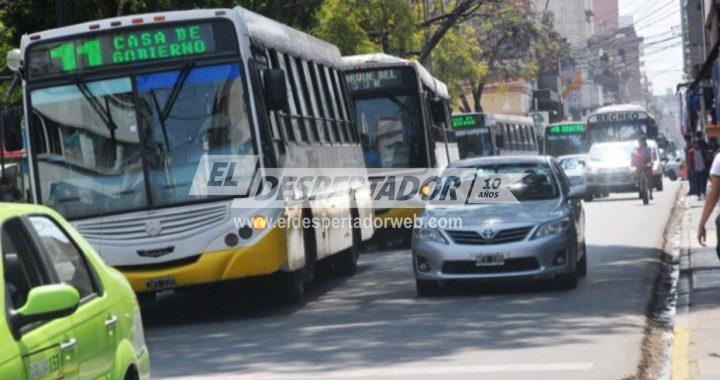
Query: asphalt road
[{"x": 374, "y": 326}]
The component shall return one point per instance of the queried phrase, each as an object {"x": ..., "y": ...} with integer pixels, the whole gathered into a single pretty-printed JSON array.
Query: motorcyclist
[{"x": 642, "y": 161}]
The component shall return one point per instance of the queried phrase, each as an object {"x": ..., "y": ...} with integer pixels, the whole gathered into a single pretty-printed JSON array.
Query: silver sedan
[{"x": 539, "y": 236}]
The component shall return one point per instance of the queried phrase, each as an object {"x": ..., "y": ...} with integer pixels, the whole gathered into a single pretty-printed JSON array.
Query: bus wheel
[
  {"x": 292, "y": 286},
  {"x": 346, "y": 262}
]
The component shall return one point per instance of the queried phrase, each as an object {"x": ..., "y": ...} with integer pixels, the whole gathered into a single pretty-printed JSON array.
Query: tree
[
  {"x": 28, "y": 16},
  {"x": 513, "y": 42}
]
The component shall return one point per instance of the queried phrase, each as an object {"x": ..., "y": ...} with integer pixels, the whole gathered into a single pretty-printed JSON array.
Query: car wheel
[
  {"x": 426, "y": 288},
  {"x": 582, "y": 264},
  {"x": 672, "y": 176},
  {"x": 659, "y": 184}
]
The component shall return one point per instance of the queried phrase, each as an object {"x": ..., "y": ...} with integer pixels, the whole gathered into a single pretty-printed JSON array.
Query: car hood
[
  {"x": 610, "y": 164},
  {"x": 529, "y": 212}
]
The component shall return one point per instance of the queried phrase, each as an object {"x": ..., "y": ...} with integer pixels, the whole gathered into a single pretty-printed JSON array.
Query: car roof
[
  {"x": 500, "y": 160},
  {"x": 10, "y": 210},
  {"x": 568, "y": 156}
]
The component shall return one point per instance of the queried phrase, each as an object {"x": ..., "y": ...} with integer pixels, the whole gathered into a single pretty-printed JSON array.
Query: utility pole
[
  {"x": 427, "y": 34},
  {"x": 60, "y": 12}
]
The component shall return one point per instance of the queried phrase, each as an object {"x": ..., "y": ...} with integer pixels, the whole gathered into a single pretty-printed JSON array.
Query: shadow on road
[{"x": 375, "y": 318}]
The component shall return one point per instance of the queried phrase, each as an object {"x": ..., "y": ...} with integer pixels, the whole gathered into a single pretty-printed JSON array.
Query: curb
[{"x": 680, "y": 356}]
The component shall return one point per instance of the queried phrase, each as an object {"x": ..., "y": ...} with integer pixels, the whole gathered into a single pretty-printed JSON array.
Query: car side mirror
[
  {"x": 577, "y": 192},
  {"x": 275, "y": 89},
  {"x": 46, "y": 302}
]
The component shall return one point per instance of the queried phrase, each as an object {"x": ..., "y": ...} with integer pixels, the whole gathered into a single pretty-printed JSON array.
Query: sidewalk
[{"x": 696, "y": 347}]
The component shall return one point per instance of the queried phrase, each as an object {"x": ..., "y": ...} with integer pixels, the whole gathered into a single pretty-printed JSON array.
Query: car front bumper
[{"x": 523, "y": 259}]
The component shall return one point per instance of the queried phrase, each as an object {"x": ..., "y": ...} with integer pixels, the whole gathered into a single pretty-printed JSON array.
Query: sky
[{"x": 658, "y": 21}]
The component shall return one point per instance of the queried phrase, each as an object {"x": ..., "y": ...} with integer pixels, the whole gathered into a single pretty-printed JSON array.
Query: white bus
[
  {"x": 492, "y": 134},
  {"x": 403, "y": 118},
  {"x": 620, "y": 122},
  {"x": 121, "y": 111}
]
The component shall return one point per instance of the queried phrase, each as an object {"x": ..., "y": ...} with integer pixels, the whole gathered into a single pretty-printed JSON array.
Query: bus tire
[
  {"x": 310, "y": 246},
  {"x": 292, "y": 286},
  {"x": 346, "y": 262}
]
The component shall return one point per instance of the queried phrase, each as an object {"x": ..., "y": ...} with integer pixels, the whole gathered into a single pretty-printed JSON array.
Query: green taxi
[{"x": 66, "y": 314}]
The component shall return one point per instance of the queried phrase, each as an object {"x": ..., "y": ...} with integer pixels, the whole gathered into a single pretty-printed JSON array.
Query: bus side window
[
  {"x": 299, "y": 121},
  {"x": 322, "y": 102},
  {"x": 330, "y": 94},
  {"x": 499, "y": 137},
  {"x": 287, "y": 118},
  {"x": 345, "y": 125}
]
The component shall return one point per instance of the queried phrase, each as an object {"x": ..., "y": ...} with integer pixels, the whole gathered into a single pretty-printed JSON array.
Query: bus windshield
[
  {"x": 389, "y": 131},
  {"x": 86, "y": 169},
  {"x": 564, "y": 144},
  {"x": 617, "y": 131},
  {"x": 475, "y": 143}
]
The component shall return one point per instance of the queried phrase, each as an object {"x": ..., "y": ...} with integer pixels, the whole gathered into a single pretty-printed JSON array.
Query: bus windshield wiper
[
  {"x": 175, "y": 91},
  {"x": 103, "y": 113}
]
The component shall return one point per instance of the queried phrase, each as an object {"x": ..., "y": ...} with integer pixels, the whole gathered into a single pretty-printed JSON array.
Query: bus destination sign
[
  {"x": 567, "y": 128},
  {"x": 129, "y": 46},
  {"x": 378, "y": 79},
  {"x": 463, "y": 121},
  {"x": 617, "y": 116}
]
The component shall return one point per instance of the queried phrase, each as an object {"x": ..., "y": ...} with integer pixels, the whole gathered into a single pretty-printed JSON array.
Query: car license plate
[
  {"x": 489, "y": 259},
  {"x": 161, "y": 283}
]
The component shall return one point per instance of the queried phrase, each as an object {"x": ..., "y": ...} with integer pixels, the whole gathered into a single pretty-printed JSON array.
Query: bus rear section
[{"x": 125, "y": 113}]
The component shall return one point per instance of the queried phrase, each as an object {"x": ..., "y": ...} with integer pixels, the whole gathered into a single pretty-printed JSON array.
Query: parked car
[
  {"x": 673, "y": 169},
  {"x": 610, "y": 168},
  {"x": 68, "y": 315},
  {"x": 539, "y": 236}
]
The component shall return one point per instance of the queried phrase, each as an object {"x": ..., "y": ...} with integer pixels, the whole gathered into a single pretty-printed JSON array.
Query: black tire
[
  {"x": 292, "y": 286},
  {"x": 589, "y": 198},
  {"x": 567, "y": 281},
  {"x": 146, "y": 298},
  {"x": 671, "y": 174},
  {"x": 425, "y": 288},
  {"x": 346, "y": 263},
  {"x": 582, "y": 263}
]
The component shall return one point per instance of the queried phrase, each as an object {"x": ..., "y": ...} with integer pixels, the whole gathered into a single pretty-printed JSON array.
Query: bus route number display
[
  {"x": 126, "y": 46},
  {"x": 568, "y": 128}
]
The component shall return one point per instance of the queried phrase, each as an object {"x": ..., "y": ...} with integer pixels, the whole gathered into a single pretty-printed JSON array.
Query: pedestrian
[
  {"x": 698, "y": 163},
  {"x": 688, "y": 171},
  {"x": 710, "y": 202}
]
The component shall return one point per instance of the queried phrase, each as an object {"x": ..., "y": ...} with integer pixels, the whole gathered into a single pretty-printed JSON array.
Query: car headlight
[
  {"x": 551, "y": 228},
  {"x": 429, "y": 234}
]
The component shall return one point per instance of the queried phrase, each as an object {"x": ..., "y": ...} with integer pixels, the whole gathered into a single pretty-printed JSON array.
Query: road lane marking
[
  {"x": 405, "y": 371},
  {"x": 680, "y": 355}
]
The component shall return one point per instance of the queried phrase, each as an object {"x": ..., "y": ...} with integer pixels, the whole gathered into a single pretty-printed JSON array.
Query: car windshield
[
  {"x": 530, "y": 182},
  {"x": 389, "y": 132},
  {"x": 572, "y": 163},
  {"x": 612, "y": 153},
  {"x": 86, "y": 168}
]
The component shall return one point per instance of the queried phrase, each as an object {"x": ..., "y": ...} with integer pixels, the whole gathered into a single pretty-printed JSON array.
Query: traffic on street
[{"x": 336, "y": 189}]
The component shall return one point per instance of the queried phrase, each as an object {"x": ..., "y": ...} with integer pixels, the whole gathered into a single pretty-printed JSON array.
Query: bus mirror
[
  {"x": 275, "y": 89},
  {"x": 14, "y": 61},
  {"x": 12, "y": 132},
  {"x": 437, "y": 109}
]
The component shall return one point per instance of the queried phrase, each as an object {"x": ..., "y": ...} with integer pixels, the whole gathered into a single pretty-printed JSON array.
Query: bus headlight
[{"x": 259, "y": 222}]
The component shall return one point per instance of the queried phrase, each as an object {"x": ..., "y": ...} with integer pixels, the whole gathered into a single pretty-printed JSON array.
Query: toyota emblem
[{"x": 488, "y": 233}]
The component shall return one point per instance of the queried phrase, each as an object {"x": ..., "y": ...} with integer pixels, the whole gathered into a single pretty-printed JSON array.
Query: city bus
[
  {"x": 121, "y": 113},
  {"x": 621, "y": 122},
  {"x": 403, "y": 118},
  {"x": 488, "y": 134},
  {"x": 566, "y": 138}
]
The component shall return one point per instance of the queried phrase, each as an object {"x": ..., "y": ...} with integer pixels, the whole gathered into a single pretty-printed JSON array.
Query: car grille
[
  {"x": 504, "y": 236},
  {"x": 172, "y": 222},
  {"x": 510, "y": 265}
]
